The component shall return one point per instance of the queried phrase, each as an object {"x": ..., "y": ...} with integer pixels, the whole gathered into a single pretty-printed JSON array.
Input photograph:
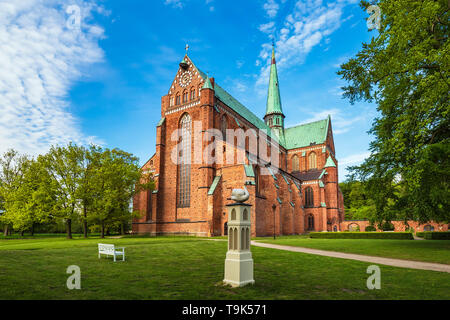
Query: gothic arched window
[
  {"x": 178, "y": 99},
  {"x": 224, "y": 126},
  {"x": 295, "y": 163},
  {"x": 310, "y": 222},
  {"x": 192, "y": 94},
  {"x": 172, "y": 101},
  {"x": 309, "y": 197},
  {"x": 312, "y": 160},
  {"x": 184, "y": 166},
  {"x": 185, "y": 97}
]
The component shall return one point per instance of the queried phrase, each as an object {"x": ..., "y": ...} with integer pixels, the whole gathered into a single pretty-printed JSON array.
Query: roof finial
[{"x": 187, "y": 48}]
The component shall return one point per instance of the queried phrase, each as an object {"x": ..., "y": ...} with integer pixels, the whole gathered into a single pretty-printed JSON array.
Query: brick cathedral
[{"x": 296, "y": 193}]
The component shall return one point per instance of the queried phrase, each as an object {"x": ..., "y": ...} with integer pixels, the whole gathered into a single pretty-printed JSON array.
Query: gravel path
[{"x": 375, "y": 260}]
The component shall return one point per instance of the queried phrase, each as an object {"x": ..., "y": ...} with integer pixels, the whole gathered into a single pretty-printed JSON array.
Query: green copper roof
[
  {"x": 214, "y": 185},
  {"x": 160, "y": 123},
  {"x": 322, "y": 174},
  {"x": 330, "y": 162},
  {"x": 273, "y": 95},
  {"x": 249, "y": 170},
  {"x": 208, "y": 84},
  {"x": 305, "y": 134}
]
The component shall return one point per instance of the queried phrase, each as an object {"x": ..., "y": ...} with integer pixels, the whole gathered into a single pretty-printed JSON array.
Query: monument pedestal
[{"x": 239, "y": 261}]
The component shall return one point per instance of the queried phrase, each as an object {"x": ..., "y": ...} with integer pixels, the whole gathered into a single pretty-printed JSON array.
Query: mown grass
[
  {"x": 419, "y": 250},
  {"x": 192, "y": 268}
]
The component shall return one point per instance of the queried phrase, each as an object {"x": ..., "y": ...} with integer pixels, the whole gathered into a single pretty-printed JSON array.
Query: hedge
[
  {"x": 370, "y": 228},
  {"x": 436, "y": 235},
  {"x": 362, "y": 235}
]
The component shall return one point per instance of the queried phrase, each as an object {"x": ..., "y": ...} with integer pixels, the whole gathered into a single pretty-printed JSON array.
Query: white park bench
[{"x": 111, "y": 250}]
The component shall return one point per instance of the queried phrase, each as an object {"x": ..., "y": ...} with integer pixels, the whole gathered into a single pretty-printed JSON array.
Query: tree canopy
[
  {"x": 93, "y": 186},
  {"x": 404, "y": 69}
]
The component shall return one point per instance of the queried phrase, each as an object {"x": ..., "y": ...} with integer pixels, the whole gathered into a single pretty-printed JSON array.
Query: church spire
[
  {"x": 274, "y": 117},
  {"x": 273, "y": 97}
]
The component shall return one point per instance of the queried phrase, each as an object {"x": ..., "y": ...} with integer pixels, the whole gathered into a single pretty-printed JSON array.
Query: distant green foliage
[
  {"x": 370, "y": 229},
  {"x": 405, "y": 70},
  {"x": 362, "y": 235},
  {"x": 71, "y": 186}
]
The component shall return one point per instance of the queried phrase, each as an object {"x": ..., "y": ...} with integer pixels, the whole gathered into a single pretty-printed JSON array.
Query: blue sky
[{"x": 103, "y": 82}]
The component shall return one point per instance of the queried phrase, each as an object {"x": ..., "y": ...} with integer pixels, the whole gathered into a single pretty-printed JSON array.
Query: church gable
[{"x": 186, "y": 85}]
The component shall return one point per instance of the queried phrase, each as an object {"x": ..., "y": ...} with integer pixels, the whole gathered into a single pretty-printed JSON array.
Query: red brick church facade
[{"x": 297, "y": 193}]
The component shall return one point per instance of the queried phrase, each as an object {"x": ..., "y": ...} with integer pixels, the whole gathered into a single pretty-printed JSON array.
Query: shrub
[
  {"x": 370, "y": 228},
  {"x": 434, "y": 235},
  {"x": 420, "y": 234},
  {"x": 362, "y": 235},
  {"x": 387, "y": 226}
]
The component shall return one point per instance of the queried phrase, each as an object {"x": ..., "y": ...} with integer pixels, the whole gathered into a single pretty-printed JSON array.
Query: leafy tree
[
  {"x": 33, "y": 198},
  {"x": 405, "y": 70},
  {"x": 116, "y": 179},
  {"x": 11, "y": 172},
  {"x": 63, "y": 164}
]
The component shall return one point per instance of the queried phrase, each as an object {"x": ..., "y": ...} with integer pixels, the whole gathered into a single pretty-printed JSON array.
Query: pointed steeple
[
  {"x": 274, "y": 117},
  {"x": 273, "y": 96},
  {"x": 330, "y": 163},
  {"x": 208, "y": 84}
]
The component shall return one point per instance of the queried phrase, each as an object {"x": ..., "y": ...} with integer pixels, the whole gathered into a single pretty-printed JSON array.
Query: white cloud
[
  {"x": 40, "y": 58},
  {"x": 174, "y": 3},
  {"x": 310, "y": 23},
  {"x": 340, "y": 122},
  {"x": 353, "y": 159},
  {"x": 267, "y": 27},
  {"x": 271, "y": 7}
]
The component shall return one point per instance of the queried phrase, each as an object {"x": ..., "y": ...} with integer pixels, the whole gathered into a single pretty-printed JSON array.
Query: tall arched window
[
  {"x": 312, "y": 160},
  {"x": 178, "y": 99},
  {"x": 192, "y": 94},
  {"x": 310, "y": 222},
  {"x": 295, "y": 163},
  {"x": 185, "y": 96},
  {"x": 224, "y": 126},
  {"x": 172, "y": 101},
  {"x": 184, "y": 167},
  {"x": 309, "y": 197}
]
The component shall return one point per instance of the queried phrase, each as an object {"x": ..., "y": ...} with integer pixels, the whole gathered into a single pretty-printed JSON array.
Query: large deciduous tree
[
  {"x": 11, "y": 174},
  {"x": 116, "y": 178},
  {"x": 405, "y": 70},
  {"x": 64, "y": 165}
]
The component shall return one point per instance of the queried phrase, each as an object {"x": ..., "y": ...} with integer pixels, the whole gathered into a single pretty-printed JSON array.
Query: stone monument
[{"x": 239, "y": 262}]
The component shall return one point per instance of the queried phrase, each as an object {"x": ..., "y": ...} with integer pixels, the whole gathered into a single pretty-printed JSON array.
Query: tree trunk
[
  {"x": 69, "y": 228},
  {"x": 122, "y": 229},
  {"x": 32, "y": 229},
  {"x": 108, "y": 233},
  {"x": 85, "y": 226},
  {"x": 22, "y": 233},
  {"x": 5, "y": 231},
  {"x": 103, "y": 230}
]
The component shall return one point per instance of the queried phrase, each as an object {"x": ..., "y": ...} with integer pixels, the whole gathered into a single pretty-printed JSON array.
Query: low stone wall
[{"x": 398, "y": 225}]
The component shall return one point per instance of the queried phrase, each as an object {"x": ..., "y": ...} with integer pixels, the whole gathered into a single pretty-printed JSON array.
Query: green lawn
[
  {"x": 419, "y": 250},
  {"x": 192, "y": 268}
]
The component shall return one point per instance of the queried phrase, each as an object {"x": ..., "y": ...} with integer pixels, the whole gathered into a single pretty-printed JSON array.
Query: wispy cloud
[
  {"x": 175, "y": 3},
  {"x": 341, "y": 123},
  {"x": 353, "y": 159},
  {"x": 267, "y": 27},
  {"x": 309, "y": 23},
  {"x": 40, "y": 58},
  {"x": 271, "y": 7}
]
